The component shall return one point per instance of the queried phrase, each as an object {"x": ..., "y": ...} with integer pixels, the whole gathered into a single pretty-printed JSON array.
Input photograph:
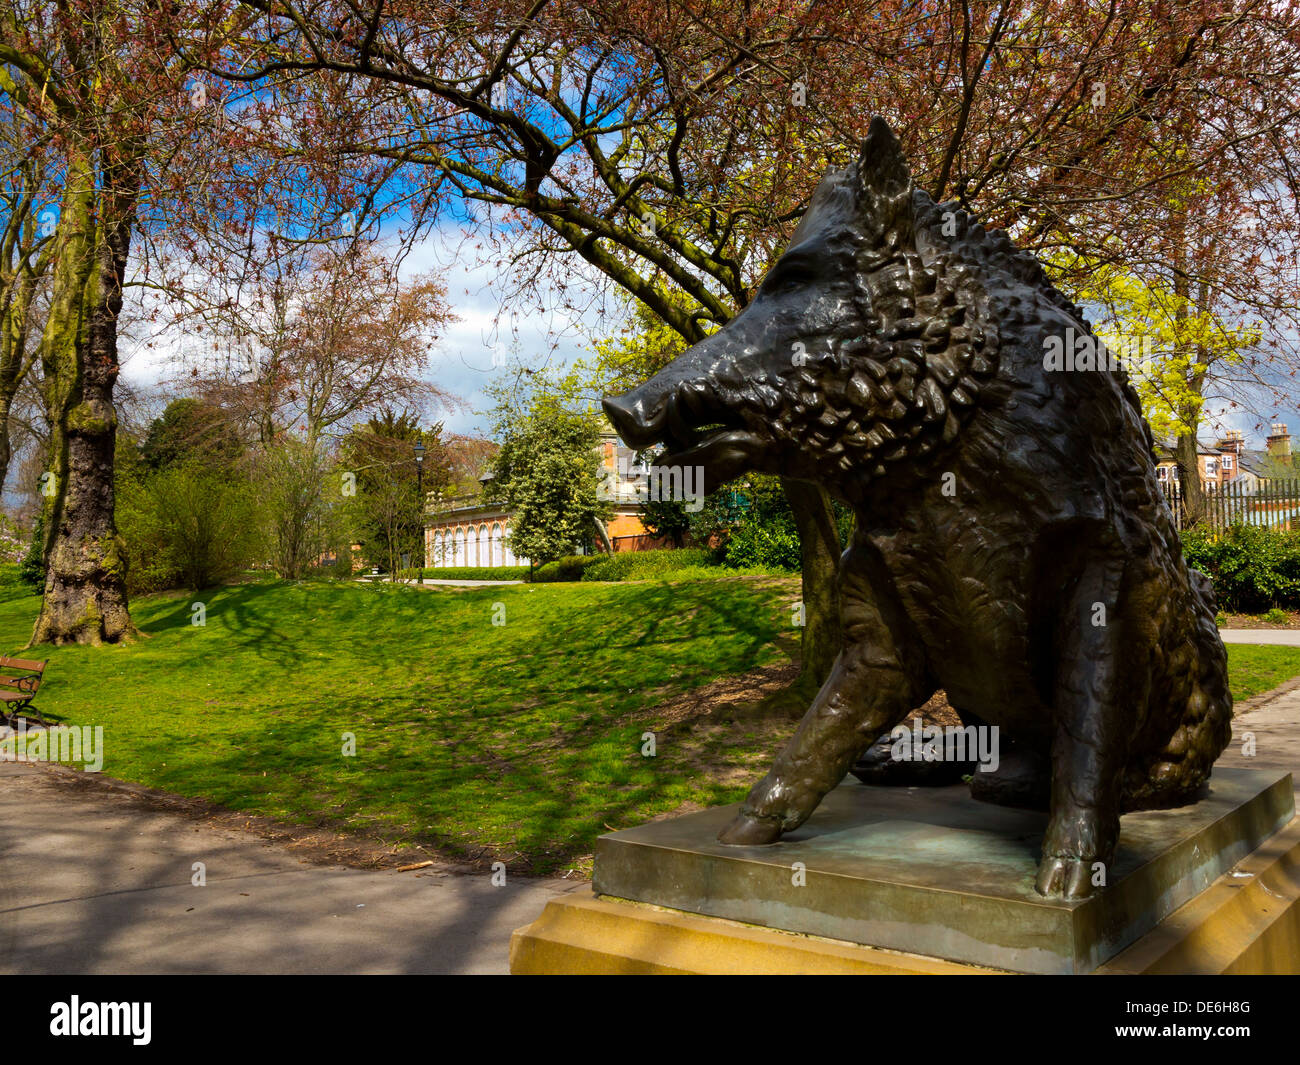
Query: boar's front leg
[
  {"x": 876, "y": 680},
  {"x": 1091, "y": 739}
]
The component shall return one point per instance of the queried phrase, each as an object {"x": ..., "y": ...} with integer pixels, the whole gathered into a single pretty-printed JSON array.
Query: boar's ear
[{"x": 884, "y": 184}]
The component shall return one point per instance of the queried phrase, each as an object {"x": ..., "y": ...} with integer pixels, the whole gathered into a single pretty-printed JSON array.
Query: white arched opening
[
  {"x": 484, "y": 547},
  {"x": 497, "y": 559}
]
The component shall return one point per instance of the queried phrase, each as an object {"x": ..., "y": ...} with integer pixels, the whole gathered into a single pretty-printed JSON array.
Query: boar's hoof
[
  {"x": 750, "y": 831},
  {"x": 1062, "y": 877}
]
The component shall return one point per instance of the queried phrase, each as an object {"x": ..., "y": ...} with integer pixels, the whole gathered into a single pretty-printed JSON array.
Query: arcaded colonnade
[{"x": 470, "y": 543}]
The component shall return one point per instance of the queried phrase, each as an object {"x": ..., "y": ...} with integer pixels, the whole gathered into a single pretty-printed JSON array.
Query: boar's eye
[{"x": 789, "y": 273}]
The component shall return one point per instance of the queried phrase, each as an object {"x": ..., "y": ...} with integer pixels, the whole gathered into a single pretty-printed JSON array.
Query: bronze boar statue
[{"x": 1012, "y": 544}]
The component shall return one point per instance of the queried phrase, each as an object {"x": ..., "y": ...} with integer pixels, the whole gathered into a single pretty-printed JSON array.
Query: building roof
[{"x": 1255, "y": 461}]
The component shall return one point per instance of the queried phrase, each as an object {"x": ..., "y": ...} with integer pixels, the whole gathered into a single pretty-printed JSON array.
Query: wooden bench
[{"x": 17, "y": 691}]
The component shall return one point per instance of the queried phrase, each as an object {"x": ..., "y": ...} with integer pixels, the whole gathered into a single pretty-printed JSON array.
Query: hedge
[
  {"x": 642, "y": 565},
  {"x": 477, "y": 573},
  {"x": 1252, "y": 568},
  {"x": 569, "y": 568}
]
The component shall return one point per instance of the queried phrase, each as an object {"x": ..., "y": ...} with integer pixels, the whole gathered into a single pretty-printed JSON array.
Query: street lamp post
[{"x": 419, "y": 482}]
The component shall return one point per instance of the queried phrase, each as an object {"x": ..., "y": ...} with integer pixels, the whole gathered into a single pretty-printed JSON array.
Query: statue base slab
[{"x": 928, "y": 880}]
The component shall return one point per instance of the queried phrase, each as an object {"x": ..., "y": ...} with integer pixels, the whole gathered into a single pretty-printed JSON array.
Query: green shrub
[
  {"x": 185, "y": 527},
  {"x": 1253, "y": 569},
  {"x": 31, "y": 570},
  {"x": 644, "y": 565},
  {"x": 769, "y": 546},
  {"x": 686, "y": 563},
  {"x": 336, "y": 571},
  {"x": 569, "y": 568},
  {"x": 477, "y": 573},
  {"x": 1277, "y": 617}
]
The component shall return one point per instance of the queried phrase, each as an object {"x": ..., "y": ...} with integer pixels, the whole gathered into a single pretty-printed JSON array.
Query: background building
[
  {"x": 466, "y": 531},
  {"x": 1229, "y": 462}
]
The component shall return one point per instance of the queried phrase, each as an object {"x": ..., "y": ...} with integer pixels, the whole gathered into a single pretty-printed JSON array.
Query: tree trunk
[
  {"x": 1189, "y": 472},
  {"x": 602, "y": 534},
  {"x": 6, "y": 439},
  {"x": 14, "y": 362},
  {"x": 820, "y": 549},
  {"x": 85, "y": 584}
]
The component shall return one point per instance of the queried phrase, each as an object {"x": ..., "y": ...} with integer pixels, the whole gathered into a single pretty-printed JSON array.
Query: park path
[
  {"x": 1275, "y": 637},
  {"x": 1274, "y": 727},
  {"x": 430, "y": 582},
  {"x": 1272, "y": 720},
  {"x": 92, "y": 881}
]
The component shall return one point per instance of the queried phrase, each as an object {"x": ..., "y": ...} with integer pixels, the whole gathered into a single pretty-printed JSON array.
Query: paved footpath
[
  {"x": 1273, "y": 723},
  {"x": 91, "y": 882},
  {"x": 430, "y": 582},
  {"x": 1277, "y": 637}
]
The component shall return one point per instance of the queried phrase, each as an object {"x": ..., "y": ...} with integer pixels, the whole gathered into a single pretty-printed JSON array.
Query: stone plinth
[{"x": 932, "y": 872}]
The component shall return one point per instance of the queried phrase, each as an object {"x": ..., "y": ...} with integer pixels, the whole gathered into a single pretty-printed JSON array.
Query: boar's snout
[
  {"x": 672, "y": 405},
  {"x": 694, "y": 407},
  {"x": 638, "y": 420}
]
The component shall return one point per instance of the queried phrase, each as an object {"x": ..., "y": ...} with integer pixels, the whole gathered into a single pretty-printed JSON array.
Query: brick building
[
  {"x": 466, "y": 531},
  {"x": 1229, "y": 461}
]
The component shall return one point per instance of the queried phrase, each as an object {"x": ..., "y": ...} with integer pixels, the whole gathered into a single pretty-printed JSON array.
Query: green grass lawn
[
  {"x": 1254, "y": 669},
  {"x": 519, "y": 741}
]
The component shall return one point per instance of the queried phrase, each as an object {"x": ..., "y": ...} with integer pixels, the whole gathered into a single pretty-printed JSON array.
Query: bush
[
  {"x": 643, "y": 565},
  {"x": 477, "y": 573},
  {"x": 185, "y": 527},
  {"x": 31, "y": 570},
  {"x": 569, "y": 568},
  {"x": 337, "y": 571},
  {"x": 771, "y": 546},
  {"x": 1253, "y": 569}
]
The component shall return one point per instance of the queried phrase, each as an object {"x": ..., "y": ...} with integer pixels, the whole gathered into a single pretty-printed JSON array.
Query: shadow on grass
[{"x": 534, "y": 724}]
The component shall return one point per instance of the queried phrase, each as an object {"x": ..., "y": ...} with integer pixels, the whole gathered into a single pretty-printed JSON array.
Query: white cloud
[{"x": 536, "y": 331}]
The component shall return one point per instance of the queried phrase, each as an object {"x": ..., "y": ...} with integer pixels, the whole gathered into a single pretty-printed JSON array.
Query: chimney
[
  {"x": 1232, "y": 442},
  {"x": 1279, "y": 442}
]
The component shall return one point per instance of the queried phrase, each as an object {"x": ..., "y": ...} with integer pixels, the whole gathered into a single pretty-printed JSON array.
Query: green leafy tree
[
  {"x": 548, "y": 472},
  {"x": 31, "y": 570},
  {"x": 189, "y": 525},
  {"x": 666, "y": 518},
  {"x": 300, "y": 495},
  {"x": 640, "y": 349},
  {"x": 190, "y": 430},
  {"x": 1174, "y": 343},
  {"x": 387, "y": 512}
]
